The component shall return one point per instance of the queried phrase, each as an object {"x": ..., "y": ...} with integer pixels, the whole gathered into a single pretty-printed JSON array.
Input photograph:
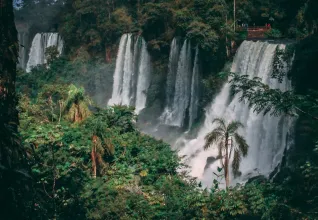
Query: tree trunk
[
  {"x": 234, "y": 14},
  {"x": 93, "y": 157},
  {"x": 108, "y": 55},
  {"x": 226, "y": 40},
  {"x": 226, "y": 164},
  {"x": 61, "y": 106},
  {"x": 227, "y": 177},
  {"x": 138, "y": 6},
  {"x": 77, "y": 114},
  {"x": 12, "y": 154},
  {"x": 109, "y": 9}
]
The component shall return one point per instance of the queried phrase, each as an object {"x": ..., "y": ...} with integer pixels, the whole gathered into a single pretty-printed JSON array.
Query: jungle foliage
[
  {"x": 96, "y": 25},
  {"x": 102, "y": 167}
]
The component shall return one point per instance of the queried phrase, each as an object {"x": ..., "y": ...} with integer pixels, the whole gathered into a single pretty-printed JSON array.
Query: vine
[{"x": 283, "y": 61}]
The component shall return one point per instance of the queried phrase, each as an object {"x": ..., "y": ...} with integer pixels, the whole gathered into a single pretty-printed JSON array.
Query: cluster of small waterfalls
[
  {"x": 40, "y": 43},
  {"x": 267, "y": 136}
]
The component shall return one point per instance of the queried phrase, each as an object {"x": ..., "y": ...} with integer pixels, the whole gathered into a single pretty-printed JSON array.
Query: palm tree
[
  {"x": 228, "y": 141},
  {"x": 103, "y": 150},
  {"x": 76, "y": 104}
]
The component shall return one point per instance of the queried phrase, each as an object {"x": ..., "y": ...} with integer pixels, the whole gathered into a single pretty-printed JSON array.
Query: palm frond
[
  {"x": 109, "y": 147},
  {"x": 236, "y": 162},
  {"x": 212, "y": 138},
  {"x": 221, "y": 130},
  {"x": 71, "y": 113},
  {"x": 75, "y": 95},
  {"x": 233, "y": 126},
  {"x": 85, "y": 112},
  {"x": 220, "y": 122},
  {"x": 241, "y": 143}
]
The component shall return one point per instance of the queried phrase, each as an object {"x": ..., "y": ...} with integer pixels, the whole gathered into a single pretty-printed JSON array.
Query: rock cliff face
[
  {"x": 24, "y": 47},
  {"x": 25, "y": 40}
]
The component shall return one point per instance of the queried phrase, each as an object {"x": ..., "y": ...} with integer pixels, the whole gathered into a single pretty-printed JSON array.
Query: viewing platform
[{"x": 255, "y": 32}]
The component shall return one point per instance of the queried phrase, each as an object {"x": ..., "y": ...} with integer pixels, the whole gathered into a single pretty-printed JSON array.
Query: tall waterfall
[
  {"x": 172, "y": 72},
  {"x": 175, "y": 112},
  {"x": 118, "y": 75},
  {"x": 266, "y": 135},
  {"x": 143, "y": 82},
  {"x": 40, "y": 42},
  {"x": 132, "y": 73},
  {"x": 194, "y": 98},
  {"x": 23, "y": 38},
  {"x": 128, "y": 72}
]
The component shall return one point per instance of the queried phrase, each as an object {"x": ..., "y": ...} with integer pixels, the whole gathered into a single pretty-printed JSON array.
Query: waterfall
[
  {"x": 128, "y": 72},
  {"x": 136, "y": 60},
  {"x": 36, "y": 55},
  {"x": 175, "y": 114},
  {"x": 172, "y": 72},
  {"x": 194, "y": 98},
  {"x": 143, "y": 82},
  {"x": 266, "y": 135},
  {"x": 40, "y": 42},
  {"x": 118, "y": 75},
  {"x": 132, "y": 73},
  {"x": 23, "y": 38}
]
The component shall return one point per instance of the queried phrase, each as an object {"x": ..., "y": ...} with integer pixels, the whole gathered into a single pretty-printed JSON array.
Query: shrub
[{"x": 273, "y": 33}]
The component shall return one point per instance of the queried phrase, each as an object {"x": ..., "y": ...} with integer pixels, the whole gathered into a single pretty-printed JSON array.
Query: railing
[
  {"x": 254, "y": 28},
  {"x": 264, "y": 28}
]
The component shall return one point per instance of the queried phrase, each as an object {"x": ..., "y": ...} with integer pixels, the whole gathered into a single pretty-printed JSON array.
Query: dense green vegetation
[
  {"x": 81, "y": 161},
  {"x": 101, "y": 167},
  {"x": 92, "y": 29},
  {"x": 95, "y": 26}
]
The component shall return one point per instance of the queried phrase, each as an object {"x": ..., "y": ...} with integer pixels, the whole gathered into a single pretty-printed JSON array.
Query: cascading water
[
  {"x": 128, "y": 72},
  {"x": 118, "y": 75},
  {"x": 132, "y": 73},
  {"x": 172, "y": 72},
  {"x": 266, "y": 135},
  {"x": 143, "y": 82},
  {"x": 137, "y": 57},
  {"x": 194, "y": 98},
  {"x": 40, "y": 42},
  {"x": 175, "y": 113}
]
